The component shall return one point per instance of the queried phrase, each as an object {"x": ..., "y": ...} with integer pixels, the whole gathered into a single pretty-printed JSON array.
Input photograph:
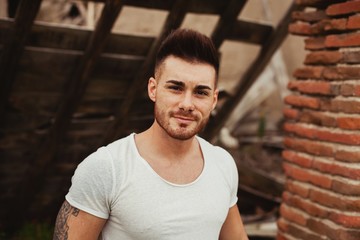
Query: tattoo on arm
[{"x": 61, "y": 227}]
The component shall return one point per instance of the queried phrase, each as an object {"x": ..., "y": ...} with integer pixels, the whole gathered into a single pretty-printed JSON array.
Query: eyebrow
[{"x": 182, "y": 84}]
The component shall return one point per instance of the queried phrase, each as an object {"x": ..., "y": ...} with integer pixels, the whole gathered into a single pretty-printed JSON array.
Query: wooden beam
[
  {"x": 14, "y": 46},
  {"x": 250, "y": 32},
  {"x": 33, "y": 179},
  {"x": 49, "y": 35},
  {"x": 268, "y": 49},
  {"x": 194, "y": 6},
  {"x": 226, "y": 21},
  {"x": 173, "y": 21}
]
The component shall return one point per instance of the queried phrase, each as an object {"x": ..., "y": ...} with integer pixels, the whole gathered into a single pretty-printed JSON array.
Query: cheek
[{"x": 205, "y": 105}]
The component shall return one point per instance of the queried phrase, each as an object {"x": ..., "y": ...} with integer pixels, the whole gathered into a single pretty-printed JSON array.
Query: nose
[{"x": 186, "y": 103}]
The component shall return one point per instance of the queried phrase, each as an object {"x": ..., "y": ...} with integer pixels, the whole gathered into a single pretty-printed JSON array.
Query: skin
[
  {"x": 184, "y": 94},
  {"x": 72, "y": 223}
]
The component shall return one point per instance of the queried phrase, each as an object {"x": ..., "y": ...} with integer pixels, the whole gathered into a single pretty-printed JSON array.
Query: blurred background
[{"x": 73, "y": 77}]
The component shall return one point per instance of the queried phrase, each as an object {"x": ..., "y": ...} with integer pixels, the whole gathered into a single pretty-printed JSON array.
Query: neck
[{"x": 164, "y": 144}]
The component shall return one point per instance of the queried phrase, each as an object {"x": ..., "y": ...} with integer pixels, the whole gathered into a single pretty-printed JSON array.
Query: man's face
[{"x": 184, "y": 94}]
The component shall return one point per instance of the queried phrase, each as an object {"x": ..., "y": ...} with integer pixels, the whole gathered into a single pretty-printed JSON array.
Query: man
[{"x": 163, "y": 183}]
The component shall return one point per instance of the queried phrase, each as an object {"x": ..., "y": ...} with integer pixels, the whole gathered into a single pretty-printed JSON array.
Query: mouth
[{"x": 184, "y": 119}]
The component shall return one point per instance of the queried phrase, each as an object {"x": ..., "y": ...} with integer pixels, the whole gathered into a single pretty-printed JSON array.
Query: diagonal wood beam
[
  {"x": 268, "y": 49},
  {"x": 227, "y": 21},
  {"x": 33, "y": 179},
  {"x": 173, "y": 21},
  {"x": 250, "y": 32},
  {"x": 14, "y": 47}
]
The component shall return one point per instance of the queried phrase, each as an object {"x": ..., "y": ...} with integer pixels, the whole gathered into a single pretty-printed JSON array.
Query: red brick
[
  {"x": 351, "y": 57},
  {"x": 332, "y": 201},
  {"x": 324, "y": 57},
  {"x": 304, "y": 175},
  {"x": 320, "y": 27},
  {"x": 354, "y": 22},
  {"x": 312, "y": 16},
  {"x": 349, "y": 221},
  {"x": 279, "y": 235},
  {"x": 315, "y": 43},
  {"x": 346, "y": 187},
  {"x": 292, "y": 215},
  {"x": 319, "y": 227},
  {"x": 316, "y": 3},
  {"x": 335, "y": 24},
  {"x": 307, "y": 206},
  {"x": 348, "y": 156},
  {"x": 307, "y": 146},
  {"x": 291, "y": 113},
  {"x": 343, "y": 40},
  {"x": 341, "y": 73},
  {"x": 282, "y": 224},
  {"x": 357, "y": 90},
  {"x": 312, "y": 87},
  {"x": 337, "y": 137},
  {"x": 325, "y": 104},
  {"x": 332, "y": 231},
  {"x": 309, "y": 72},
  {"x": 336, "y": 169},
  {"x": 302, "y": 101},
  {"x": 294, "y": 157},
  {"x": 347, "y": 89},
  {"x": 300, "y": 28},
  {"x": 303, "y": 233},
  {"x": 300, "y": 130},
  {"x": 351, "y": 123},
  {"x": 346, "y": 106},
  {"x": 348, "y": 234},
  {"x": 317, "y": 118},
  {"x": 296, "y": 188},
  {"x": 343, "y": 8},
  {"x": 322, "y": 134}
]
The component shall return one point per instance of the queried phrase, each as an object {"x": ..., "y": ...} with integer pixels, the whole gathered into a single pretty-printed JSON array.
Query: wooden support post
[{"x": 14, "y": 46}]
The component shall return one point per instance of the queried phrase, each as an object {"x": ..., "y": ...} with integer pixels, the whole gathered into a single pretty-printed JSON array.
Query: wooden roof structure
[{"x": 66, "y": 91}]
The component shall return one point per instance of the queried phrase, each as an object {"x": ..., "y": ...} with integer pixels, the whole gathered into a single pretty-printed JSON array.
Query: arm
[
  {"x": 72, "y": 223},
  {"x": 233, "y": 227}
]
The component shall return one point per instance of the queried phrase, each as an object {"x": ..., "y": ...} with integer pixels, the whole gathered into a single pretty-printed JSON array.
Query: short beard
[{"x": 178, "y": 134}]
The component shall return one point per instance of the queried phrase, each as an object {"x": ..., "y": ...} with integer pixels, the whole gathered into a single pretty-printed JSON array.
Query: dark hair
[{"x": 189, "y": 45}]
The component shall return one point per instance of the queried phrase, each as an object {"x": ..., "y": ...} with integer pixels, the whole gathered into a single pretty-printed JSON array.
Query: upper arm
[
  {"x": 233, "y": 227},
  {"x": 72, "y": 223}
]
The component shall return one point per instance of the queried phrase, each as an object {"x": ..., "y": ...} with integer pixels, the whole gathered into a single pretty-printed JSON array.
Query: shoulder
[
  {"x": 220, "y": 161},
  {"x": 217, "y": 155},
  {"x": 213, "y": 150},
  {"x": 105, "y": 157}
]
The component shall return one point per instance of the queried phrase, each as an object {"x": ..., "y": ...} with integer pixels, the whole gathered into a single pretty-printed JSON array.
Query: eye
[
  {"x": 202, "y": 92},
  {"x": 175, "y": 88}
]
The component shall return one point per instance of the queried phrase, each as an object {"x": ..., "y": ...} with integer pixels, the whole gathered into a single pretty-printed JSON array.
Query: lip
[{"x": 183, "y": 119}]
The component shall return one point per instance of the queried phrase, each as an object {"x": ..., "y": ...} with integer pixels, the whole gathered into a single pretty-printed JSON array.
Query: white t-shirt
[{"x": 117, "y": 184}]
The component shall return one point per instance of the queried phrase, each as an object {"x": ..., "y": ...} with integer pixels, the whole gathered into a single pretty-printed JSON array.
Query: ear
[
  {"x": 152, "y": 85},
  {"x": 216, "y": 93}
]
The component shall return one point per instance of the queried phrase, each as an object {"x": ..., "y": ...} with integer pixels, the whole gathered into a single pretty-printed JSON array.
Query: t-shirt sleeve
[
  {"x": 234, "y": 181},
  {"x": 92, "y": 185}
]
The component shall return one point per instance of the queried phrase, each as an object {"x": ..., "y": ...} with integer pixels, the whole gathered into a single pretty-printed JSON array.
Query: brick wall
[{"x": 322, "y": 143}]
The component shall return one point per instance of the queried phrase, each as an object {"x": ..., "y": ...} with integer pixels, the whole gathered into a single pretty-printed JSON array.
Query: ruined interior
[{"x": 73, "y": 77}]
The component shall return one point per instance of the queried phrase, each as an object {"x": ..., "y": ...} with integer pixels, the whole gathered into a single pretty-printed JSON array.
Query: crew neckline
[{"x": 135, "y": 149}]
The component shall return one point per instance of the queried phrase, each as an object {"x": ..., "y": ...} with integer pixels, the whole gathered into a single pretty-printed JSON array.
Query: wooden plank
[
  {"x": 250, "y": 32},
  {"x": 226, "y": 21},
  {"x": 33, "y": 179},
  {"x": 194, "y": 6},
  {"x": 49, "y": 35},
  {"x": 13, "y": 47},
  {"x": 49, "y": 79},
  {"x": 173, "y": 21},
  {"x": 271, "y": 45}
]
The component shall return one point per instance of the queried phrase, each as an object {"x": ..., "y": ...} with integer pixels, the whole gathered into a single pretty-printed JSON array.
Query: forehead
[{"x": 198, "y": 73}]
